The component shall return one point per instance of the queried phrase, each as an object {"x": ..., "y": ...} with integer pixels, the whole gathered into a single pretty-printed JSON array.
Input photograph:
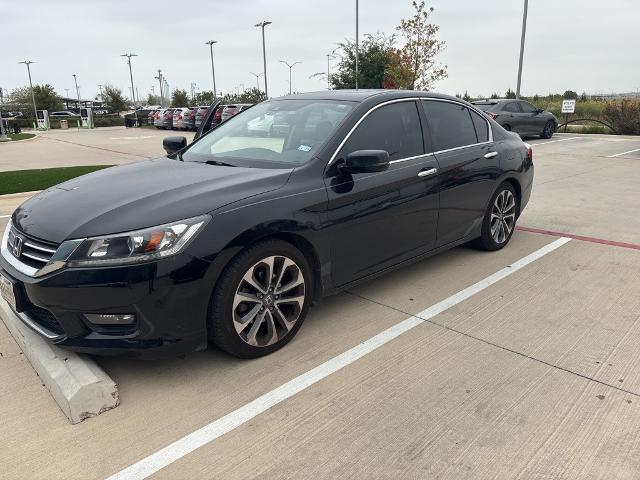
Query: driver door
[{"x": 380, "y": 219}]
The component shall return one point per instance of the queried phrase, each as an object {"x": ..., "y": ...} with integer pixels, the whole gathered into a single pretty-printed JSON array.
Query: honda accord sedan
[{"x": 230, "y": 240}]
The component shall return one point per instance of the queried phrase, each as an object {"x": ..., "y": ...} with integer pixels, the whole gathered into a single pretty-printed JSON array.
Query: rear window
[{"x": 484, "y": 106}]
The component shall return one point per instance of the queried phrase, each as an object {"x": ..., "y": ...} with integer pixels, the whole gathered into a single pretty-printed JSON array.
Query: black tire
[
  {"x": 548, "y": 130},
  {"x": 222, "y": 332},
  {"x": 486, "y": 241},
  {"x": 507, "y": 127}
]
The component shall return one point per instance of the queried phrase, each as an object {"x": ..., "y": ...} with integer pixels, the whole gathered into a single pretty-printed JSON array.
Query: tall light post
[
  {"x": 75, "y": 80},
  {"x": 3, "y": 136},
  {"x": 263, "y": 24},
  {"x": 524, "y": 31},
  {"x": 159, "y": 78},
  {"x": 290, "y": 65},
  {"x": 357, "y": 42},
  {"x": 213, "y": 70},
  {"x": 101, "y": 97},
  {"x": 257, "y": 75},
  {"x": 135, "y": 111},
  {"x": 33, "y": 97}
]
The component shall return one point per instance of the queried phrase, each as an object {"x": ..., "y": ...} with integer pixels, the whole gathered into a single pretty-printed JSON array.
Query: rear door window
[
  {"x": 512, "y": 107},
  {"x": 527, "y": 107},
  {"x": 450, "y": 124}
]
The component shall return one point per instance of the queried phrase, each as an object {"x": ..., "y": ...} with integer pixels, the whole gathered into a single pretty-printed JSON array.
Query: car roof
[
  {"x": 494, "y": 101},
  {"x": 362, "y": 95}
]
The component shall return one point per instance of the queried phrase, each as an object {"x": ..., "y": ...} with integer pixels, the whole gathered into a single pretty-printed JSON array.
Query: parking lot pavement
[
  {"x": 578, "y": 189},
  {"x": 101, "y": 146},
  {"x": 537, "y": 376}
]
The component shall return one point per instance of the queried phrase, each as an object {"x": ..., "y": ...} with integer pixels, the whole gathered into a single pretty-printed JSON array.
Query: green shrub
[{"x": 624, "y": 116}]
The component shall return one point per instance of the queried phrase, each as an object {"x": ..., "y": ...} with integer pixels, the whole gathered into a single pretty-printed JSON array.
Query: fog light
[{"x": 110, "y": 319}]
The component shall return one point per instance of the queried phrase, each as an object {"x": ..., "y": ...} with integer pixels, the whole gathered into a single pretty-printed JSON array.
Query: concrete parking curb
[
  {"x": 9, "y": 196},
  {"x": 78, "y": 385}
]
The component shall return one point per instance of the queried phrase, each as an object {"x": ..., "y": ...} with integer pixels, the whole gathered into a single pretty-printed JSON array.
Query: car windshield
[{"x": 276, "y": 133}]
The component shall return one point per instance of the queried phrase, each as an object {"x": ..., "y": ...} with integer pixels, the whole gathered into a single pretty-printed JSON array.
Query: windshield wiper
[{"x": 218, "y": 163}]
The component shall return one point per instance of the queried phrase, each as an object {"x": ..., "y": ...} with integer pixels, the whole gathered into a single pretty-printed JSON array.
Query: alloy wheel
[
  {"x": 503, "y": 216},
  {"x": 268, "y": 301}
]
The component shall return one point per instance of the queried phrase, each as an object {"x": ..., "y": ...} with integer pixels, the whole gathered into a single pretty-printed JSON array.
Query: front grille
[
  {"x": 32, "y": 252},
  {"x": 44, "y": 318}
]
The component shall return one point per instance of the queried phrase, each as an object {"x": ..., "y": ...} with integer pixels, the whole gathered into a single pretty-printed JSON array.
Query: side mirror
[
  {"x": 366, "y": 161},
  {"x": 173, "y": 144},
  {"x": 539, "y": 111}
]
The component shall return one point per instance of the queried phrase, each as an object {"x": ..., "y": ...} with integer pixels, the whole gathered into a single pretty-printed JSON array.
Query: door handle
[
  {"x": 491, "y": 155},
  {"x": 426, "y": 173}
]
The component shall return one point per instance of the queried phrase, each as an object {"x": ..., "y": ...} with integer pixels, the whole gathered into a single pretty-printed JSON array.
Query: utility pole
[
  {"x": 328, "y": 72},
  {"x": 33, "y": 97},
  {"x": 257, "y": 75},
  {"x": 357, "y": 42},
  {"x": 213, "y": 70},
  {"x": 75, "y": 80},
  {"x": 101, "y": 97},
  {"x": 159, "y": 78},
  {"x": 135, "y": 111},
  {"x": 524, "y": 31},
  {"x": 263, "y": 24},
  {"x": 3, "y": 135},
  {"x": 290, "y": 65}
]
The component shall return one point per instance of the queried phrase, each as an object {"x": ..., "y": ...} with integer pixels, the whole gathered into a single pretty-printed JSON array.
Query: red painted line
[{"x": 601, "y": 241}]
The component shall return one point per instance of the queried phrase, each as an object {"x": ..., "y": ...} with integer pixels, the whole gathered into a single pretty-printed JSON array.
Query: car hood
[{"x": 139, "y": 195}]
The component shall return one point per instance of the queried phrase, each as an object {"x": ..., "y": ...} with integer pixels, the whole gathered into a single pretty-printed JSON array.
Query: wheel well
[{"x": 516, "y": 186}]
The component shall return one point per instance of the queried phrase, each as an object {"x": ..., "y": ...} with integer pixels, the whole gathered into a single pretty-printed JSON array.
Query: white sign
[{"x": 568, "y": 106}]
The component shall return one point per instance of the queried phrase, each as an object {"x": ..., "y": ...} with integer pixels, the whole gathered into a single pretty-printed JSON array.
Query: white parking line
[
  {"x": 5, "y": 216},
  {"x": 623, "y": 153},
  {"x": 187, "y": 444},
  {"x": 555, "y": 141}
]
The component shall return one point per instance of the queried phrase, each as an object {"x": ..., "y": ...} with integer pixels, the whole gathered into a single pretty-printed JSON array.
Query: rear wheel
[
  {"x": 261, "y": 300},
  {"x": 500, "y": 219},
  {"x": 507, "y": 127},
  {"x": 548, "y": 130}
]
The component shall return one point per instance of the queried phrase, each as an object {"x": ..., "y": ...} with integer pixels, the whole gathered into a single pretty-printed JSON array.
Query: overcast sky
[{"x": 583, "y": 45}]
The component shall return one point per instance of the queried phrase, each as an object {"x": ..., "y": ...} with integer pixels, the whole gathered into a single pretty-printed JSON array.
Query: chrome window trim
[{"x": 413, "y": 99}]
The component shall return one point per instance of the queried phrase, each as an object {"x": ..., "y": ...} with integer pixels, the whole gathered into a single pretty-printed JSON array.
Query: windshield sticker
[{"x": 304, "y": 148}]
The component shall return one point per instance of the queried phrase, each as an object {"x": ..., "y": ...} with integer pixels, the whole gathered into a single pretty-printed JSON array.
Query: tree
[
  {"x": 398, "y": 72},
  {"x": 113, "y": 99},
  {"x": 466, "y": 97},
  {"x": 45, "y": 95},
  {"x": 153, "y": 99},
  {"x": 373, "y": 59},
  {"x": 422, "y": 47},
  {"x": 570, "y": 94},
  {"x": 252, "y": 95},
  {"x": 203, "y": 98},
  {"x": 510, "y": 93},
  {"x": 179, "y": 98},
  {"x": 583, "y": 96},
  {"x": 495, "y": 95}
]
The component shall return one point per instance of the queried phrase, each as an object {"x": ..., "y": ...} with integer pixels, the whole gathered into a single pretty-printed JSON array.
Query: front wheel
[
  {"x": 548, "y": 130},
  {"x": 261, "y": 300},
  {"x": 500, "y": 219}
]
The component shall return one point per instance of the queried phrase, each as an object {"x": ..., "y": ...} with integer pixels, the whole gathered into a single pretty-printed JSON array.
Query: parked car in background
[
  {"x": 189, "y": 122},
  {"x": 201, "y": 112},
  {"x": 230, "y": 110},
  {"x": 178, "y": 117},
  {"x": 159, "y": 118},
  {"x": 217, "y": 116},
  {"x": 167, "y": 120},
  {"x": 519, "y": 116},
  {"x": 231, "y": 239},
  {"x": 151, "y": 117},
  {"x": 64, "y": 113}
]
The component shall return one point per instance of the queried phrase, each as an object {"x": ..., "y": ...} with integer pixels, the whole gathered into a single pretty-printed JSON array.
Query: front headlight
[{"x": 136, "y": 247}]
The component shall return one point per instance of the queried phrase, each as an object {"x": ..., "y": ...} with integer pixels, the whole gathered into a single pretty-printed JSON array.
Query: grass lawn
[
  {"x": 20, "y": 136},
  {"x": 39, "y": 179}
]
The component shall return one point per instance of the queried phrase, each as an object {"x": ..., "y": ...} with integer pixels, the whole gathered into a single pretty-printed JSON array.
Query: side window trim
[{"x": 421, "y": 99}]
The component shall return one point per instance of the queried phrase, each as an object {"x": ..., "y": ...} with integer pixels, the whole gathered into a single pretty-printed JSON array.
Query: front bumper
[{"x": 170, "y": 298}]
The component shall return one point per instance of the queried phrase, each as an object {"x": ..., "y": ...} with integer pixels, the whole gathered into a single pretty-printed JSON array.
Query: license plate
[{"x": 7, "y": 291}]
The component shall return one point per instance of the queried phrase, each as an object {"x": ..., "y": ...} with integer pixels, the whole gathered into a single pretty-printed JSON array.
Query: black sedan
[
  {"x": 520, "y": 116},
  {"x": 231, "y": 239}
]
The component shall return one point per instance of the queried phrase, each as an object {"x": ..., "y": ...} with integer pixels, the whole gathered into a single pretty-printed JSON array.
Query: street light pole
[
  {"x": 75, "y": 80},
  {"x": 290, "y": 65},
  {"x": 3, "y": 135},
  {"x": 213, "y": 70},
  {"x": 135, "y": 112},
  {"x": 524, "y": 31},
  {"x": 33, "y": 97},
  {"x": 257, "y": 75},
  {"x": 100, "y": 87},
  {"x": 263, "y": 24},
  {"x": 357, "y": 42},
  {"x": 159, "y": 78}
]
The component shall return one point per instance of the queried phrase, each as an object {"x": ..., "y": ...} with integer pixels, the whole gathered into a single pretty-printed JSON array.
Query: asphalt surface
[{"x": 534, "y": 376}]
